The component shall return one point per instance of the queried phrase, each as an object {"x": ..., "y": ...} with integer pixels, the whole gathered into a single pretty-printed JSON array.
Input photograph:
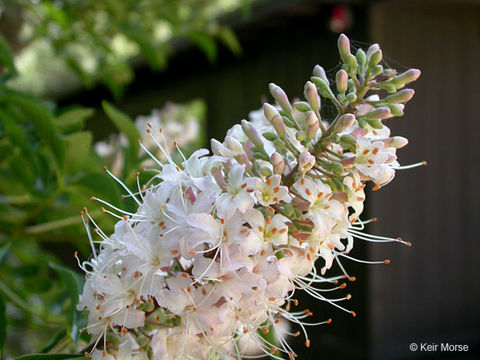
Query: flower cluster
[
  {"x": 220, "y": 243},
  {"x": 180, "y": 127}
]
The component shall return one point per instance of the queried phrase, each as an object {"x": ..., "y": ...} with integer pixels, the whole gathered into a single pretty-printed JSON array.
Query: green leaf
[
  {"x": 49, "y": 357},
  {"x": 126, "y": 126},
  {"x": 54, "y": 340},
  {"x": 6, "y": 58},
  {"x": 3, "y": 325},
  {"x": 74, "y": 285},
  {"x": 228, "y": 37},
  {"x": 73, "y": 119},
  {"x": 204, "y": 42},
  {"x": 4, "y": 251},
  {"x": 78, "y": 150},
  {"x": 41, "y": 118}
]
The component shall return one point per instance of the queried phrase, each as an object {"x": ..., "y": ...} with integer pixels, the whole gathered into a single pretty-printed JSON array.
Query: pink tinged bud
[
  {"x": 233, "y": 145},
  {"x": 305, "y": 161},
  {"x": 216, "y": 147},
  {"x": 341, "y": 79},
  {"x": 312, "y": 125},
  {"x": 379, "y": 114},
  {"x": 318, "y": 71},
  {"x": 270, "y": 111},
  {"x": 252, "y": 133},
  {"x": 344, "y": 122},
  {"x": 396, "y": 109},
  {"x": 400, "y": 97},
  {"x": 372, "y": 49},
  {"x": 375, "y": 58},
  {"x": 397, "y": 142},
  {"x": 343, "y": 47},
  {"x": 281, "y": 97},
  {"x": 279, "y": 126},
  {"x": 407, "y": 77},
  {"x": 311, "y": 94},
  {"x": 278, "y": 163}
]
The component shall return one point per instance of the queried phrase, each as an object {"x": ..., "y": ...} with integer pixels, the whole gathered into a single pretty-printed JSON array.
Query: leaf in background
[
  {"x": 49, "y": 357},
  {"x": 4, "y": 251},
  {"x": 126, "y": 126},
  {"x": 6, "y": 58},
  {"x": 74, "y": 285},
  {"x": 100, "y": 185},
  {"x": 3, "y": 325},
  {"x": 228, "y": 37},
  {"x": 204, "y": 42},
  {"x": 78, "y": 149},
  {"x": 73, "y": 119},
  {"x": 54, "y": 341},
  {"x": 41, "y": 118}
]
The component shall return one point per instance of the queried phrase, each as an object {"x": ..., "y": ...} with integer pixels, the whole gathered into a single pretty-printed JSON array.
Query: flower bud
[
  {"x": 361, "y": 58},
  {"x": 407, "y": 77},
  {"x": 341, "y": 80},
  {"x": 377, "y": 70},
  {"x": 343, "y": 47},
  {"x": 302, "y": 106},
  {"x": 278, "y": 163},
  {"x": 323, "y": 87},
  {"x": 372, "y": 49},
  {"x": 396, "y": 109},
  {"x": 375, "y": 58},
  {"x": 312, "y": 125},
  {"x": 311, "y": 94},
  {"x": 397, "y": 142},
  {"x": 305, "y": 161},
  {"x": 233, "y": 145},
  {"x": 279, "y": 126},
  {"x": 270, "y": 111},
  {"x": 216, "y": 147},
  {"x": 252, "y": 133},
  {"x": 344, "y": 122},
  {"x": 281, "y": 97},
  {"x": 318, "y": 71},
  {"x": 400, "y": 97},
  {"x": 352, "y": 65},
  {"x": 300, "y": 135},
  {"x": 379, "y": 114}
]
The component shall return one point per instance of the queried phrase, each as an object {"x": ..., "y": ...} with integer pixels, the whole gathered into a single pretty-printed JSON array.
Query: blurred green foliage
[{"x": 101, "y": 41}]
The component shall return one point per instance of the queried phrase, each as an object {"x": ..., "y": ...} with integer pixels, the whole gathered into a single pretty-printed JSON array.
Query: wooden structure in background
[{"x": 429, "y": 293}]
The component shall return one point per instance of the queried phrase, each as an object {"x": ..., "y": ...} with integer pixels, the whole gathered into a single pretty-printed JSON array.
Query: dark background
[{"x": 430, "y": 291}]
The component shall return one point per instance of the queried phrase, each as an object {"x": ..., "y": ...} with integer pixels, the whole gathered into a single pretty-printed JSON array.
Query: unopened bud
[
  {"x": 300, "y": 135},
  {"x": 216, "y": 147},
  {"x": 233, "y": 145},
  {"x": 379, "y": 114},
  {"x": 361, "y": 58},
  {"x": 281, "y": 97},
  {"x": 352, "y": 65},
  {"x": 377, "y": 70},
  {"x": 396, "y": 109},
  {"x": 344, "y": 122},
  {"x": 279, "y": 126},
  {"x": 375, "y": 58},
  {"x": 278, "y": 163},
  {"x": 407, "y": 77},
  {"x": 302, "y": 106},
  {"x": 400, "y": 97},
  {"x": 323, "y": 87},
  {"x": 270, "y": 111},
  {"x": 343, "y": 47},
  {"x": 397, "y": 142},
  {"x": 252, "y": 133},
  {"x": 305, "y": 161},
  {"x": 312, "y": 125},
  {"x": 318, "y": 71},
  {"x": 341, "y": 80},
  {"x": 372, "y": 49},
  {"x": 311, "y": 94}
]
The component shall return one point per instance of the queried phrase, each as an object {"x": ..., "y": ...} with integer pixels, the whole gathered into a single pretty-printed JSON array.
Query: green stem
[
  {"x": 57, "y": 224},
  {"x": 15, "y": 298}
]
